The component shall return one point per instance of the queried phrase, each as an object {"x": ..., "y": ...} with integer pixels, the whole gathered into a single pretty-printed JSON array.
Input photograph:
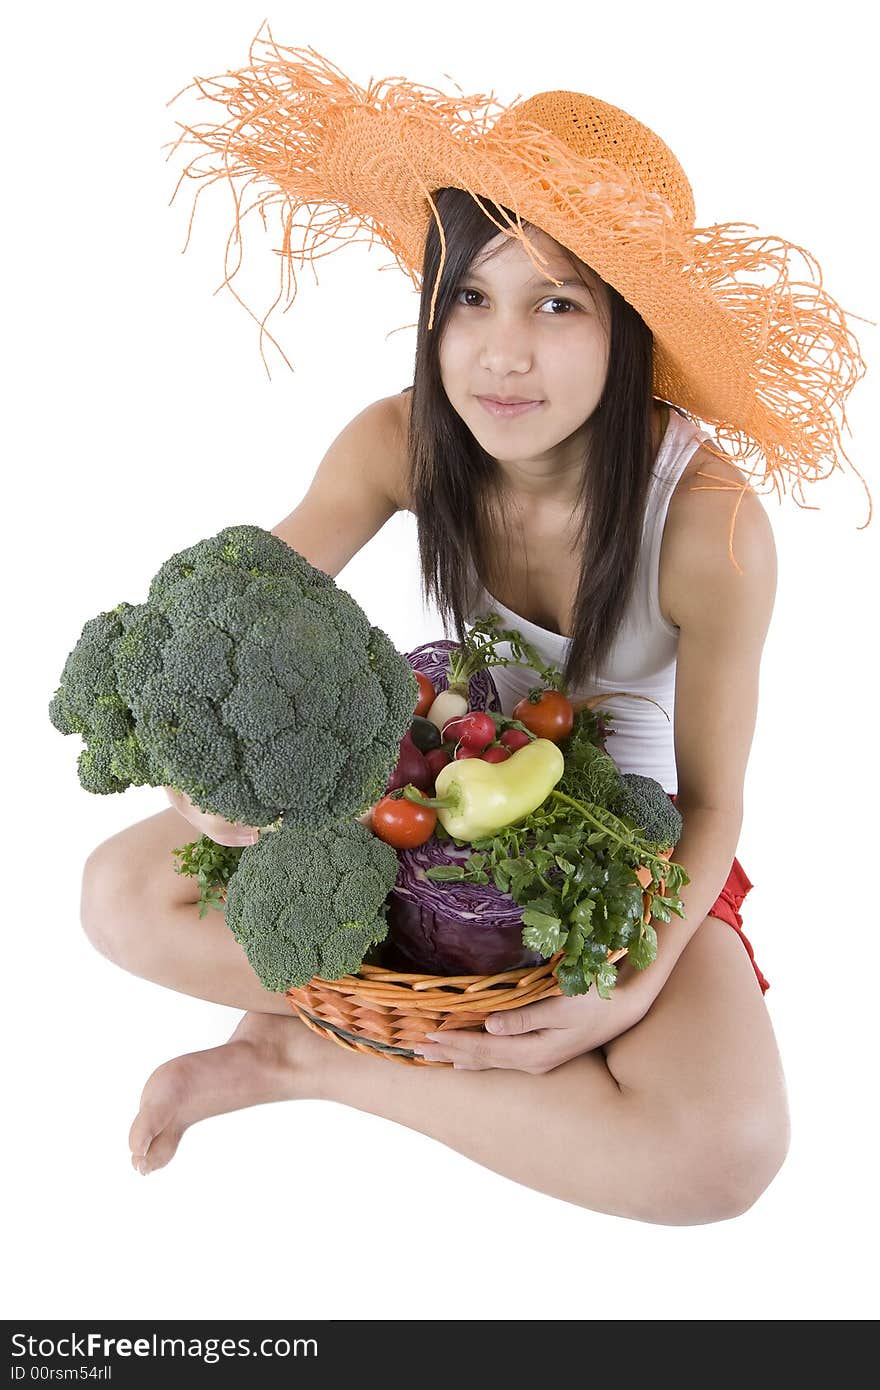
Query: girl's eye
[{"x": 554, "y": 300}]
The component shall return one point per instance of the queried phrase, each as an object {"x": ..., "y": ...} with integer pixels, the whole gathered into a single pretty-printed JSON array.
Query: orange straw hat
[{"x": 738, "y": 342}]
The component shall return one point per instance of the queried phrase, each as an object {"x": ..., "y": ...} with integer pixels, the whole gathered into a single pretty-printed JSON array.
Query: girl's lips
[{"x": 504, "y": 412}]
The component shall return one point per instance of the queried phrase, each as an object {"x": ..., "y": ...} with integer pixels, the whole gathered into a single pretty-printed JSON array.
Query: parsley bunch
[
  {"x": 212, "y": 864},
  {"x": 571, "y": 866}
]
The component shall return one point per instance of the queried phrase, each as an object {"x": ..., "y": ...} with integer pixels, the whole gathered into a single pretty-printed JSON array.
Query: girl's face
[{"x": 510, "y": 332}]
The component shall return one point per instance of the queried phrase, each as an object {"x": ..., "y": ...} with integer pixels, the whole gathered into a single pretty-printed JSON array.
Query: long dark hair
[{"x": 454, "y": 482}]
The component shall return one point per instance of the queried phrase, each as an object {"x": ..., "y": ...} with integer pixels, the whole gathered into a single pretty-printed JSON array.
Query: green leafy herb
[
  {"x": 479, "y": 652},
  {"x": 571, "y": 866},
  {"x": 212, "y": 864}
]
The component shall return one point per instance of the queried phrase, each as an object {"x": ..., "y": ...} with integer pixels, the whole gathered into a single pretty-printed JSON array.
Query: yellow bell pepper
[{"x": 475, "y": 798}]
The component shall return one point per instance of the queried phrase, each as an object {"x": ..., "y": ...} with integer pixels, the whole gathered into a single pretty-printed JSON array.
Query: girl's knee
[
  {"x": 120, "y": 892},
  {"x": 708, "y": 1166},
  {"x": 109, "y": 884},
  {"x": 731, "y": 1164},
  {"x": 759, "y": 1152}
]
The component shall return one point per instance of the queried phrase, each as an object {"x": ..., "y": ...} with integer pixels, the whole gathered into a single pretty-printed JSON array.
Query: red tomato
[
  {"x": 496, "y": 754},
  {"x": 475, "y": 729},
  {"x": 514, "y": 738},
  {"x": 402, "y": 823},
  {"x": 550, "y": 716},
  {"x": 427, "y": 694}
]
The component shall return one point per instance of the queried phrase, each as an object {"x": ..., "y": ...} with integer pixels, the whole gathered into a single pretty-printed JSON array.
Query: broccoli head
[
  {"x": 247, "y": 680},
  {"x": 643, "y": 800},
  {"x": 310, "y": 902}
]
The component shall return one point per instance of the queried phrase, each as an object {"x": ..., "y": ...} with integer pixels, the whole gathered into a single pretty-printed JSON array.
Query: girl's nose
[{"x": 504, "y": 351}]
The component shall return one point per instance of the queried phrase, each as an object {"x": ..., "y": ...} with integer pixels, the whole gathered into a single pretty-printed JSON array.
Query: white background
[{"x": 141, "y": 418}]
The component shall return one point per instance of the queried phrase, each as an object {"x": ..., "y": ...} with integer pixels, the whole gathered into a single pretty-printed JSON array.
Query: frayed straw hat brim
[{"x": 765, "y": 358}]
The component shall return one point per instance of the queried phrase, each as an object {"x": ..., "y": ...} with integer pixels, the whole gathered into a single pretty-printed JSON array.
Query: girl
[{"x": 598, "y": 519}]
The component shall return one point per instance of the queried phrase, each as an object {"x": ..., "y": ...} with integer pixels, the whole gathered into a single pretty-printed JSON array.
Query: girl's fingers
[
  {"x": 237, "y": 837},
  {"x": 233, "y": 834}
]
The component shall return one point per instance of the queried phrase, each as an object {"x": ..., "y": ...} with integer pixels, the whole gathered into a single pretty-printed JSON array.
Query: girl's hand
[
  {"x": 541, "y": 1036},
  {"x": 224, "y": 832}
]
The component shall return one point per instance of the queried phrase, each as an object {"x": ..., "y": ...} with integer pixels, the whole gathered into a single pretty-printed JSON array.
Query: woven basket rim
[{"x": 370, "y": 978}]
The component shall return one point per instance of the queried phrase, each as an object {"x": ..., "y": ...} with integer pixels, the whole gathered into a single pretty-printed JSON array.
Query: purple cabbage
[
  {"x": 431, "y": 659},
  {"x": 451, "y": 928}
]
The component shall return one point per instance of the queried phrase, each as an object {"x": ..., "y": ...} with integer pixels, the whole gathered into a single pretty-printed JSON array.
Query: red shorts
[{"x": 727, "y": 905}]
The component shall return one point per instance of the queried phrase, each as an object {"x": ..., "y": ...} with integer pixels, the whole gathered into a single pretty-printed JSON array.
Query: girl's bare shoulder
[
  {"x": 399, "y": 407},
  {"x": 710, "y": 484},
  {"x": 712, "y": 496}
]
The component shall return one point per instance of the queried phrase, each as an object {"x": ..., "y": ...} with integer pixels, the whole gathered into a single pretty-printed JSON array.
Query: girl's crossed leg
[{"x": 681, "y": 1120}]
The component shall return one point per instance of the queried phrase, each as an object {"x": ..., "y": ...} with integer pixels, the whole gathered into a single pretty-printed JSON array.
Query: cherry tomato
[
  {"x": 427, "y": 694},
  {"x": 496, "y": 753},
  {"x": 514, "y": 738},
  {"x": 550, "y": 716},
  {"x": 402, "y": 823},
  {"x": 475, "y": 729}
]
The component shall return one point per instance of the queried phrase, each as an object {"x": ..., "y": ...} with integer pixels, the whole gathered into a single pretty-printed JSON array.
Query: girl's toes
[
  {"x": 140, "y": 1136},
  {"x": 161, "y": 1100},
  {"x": 160, "y": 1152},
  {"x": 150, "y": 1121}
]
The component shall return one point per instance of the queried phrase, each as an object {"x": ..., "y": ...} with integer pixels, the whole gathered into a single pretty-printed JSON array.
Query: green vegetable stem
[{"x": 479, "y": 652}]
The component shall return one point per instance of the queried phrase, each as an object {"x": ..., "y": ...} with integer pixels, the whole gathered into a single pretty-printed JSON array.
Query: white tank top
[{"x": 642, "y": 658}]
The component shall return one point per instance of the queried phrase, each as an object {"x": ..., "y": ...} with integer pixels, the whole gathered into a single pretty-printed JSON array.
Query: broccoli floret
[
  {"x": 89, "y": 702},
  {"x": 643, "y": 801},
  {"x": 305, "y": 903},
  {"x": 248, "y": 680},
  {"x": 591, "y": 775}
]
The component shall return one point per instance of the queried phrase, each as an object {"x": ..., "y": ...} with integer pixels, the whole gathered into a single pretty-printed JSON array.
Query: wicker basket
[{"x": 385, "y": 1012}]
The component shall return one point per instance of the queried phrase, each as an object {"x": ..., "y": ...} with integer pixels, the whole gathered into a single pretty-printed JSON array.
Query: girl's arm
[
  {"x": 723, "y": 618},
  {"x": 706, "y": 849},
  {"x": 354, "y": 492}
]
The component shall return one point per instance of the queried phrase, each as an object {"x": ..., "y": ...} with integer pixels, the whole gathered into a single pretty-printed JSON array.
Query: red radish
[
  {"x": 514, "y": 738},
  {"x": 411, "y": 767},
  {"x": 462, "y": 751},
  {"x": 436, "y": 758},
  {"x": 448, "y": 704},
  {"x": 475, "y": 729},
  {"x": 496, "y": 753}
]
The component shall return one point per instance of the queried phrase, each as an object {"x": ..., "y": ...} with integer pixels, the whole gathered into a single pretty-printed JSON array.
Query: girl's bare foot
[{"x": 268, "y": 1057}]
